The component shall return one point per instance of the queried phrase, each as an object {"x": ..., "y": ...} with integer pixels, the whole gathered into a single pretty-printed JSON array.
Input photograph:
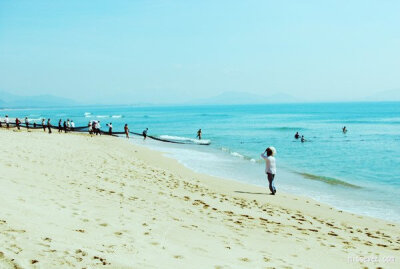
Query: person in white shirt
[
  {"x": 72, "y": 125},
  {"x": 7, "y": 121},
  {"x": 98, "y": 126},
  {"x": 270, "y": 167}
]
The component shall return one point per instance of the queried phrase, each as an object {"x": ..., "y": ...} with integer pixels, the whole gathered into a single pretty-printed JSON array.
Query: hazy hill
[
  {"x": 389, "y": 95},
  {"x": 230, "y": 98},
  {"x": 9, "y": 100}
]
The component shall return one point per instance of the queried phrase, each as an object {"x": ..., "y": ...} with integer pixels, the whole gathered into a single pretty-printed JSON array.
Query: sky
[{"x": 175, "y": 51}]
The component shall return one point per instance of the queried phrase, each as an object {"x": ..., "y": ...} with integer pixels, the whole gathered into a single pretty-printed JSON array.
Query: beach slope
[{"x": 75, "y": 201}]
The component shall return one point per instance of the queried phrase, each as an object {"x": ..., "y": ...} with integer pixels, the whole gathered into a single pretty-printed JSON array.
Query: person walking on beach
[
  {"x": 65, "y": 127},
  {"x": 72, "y": 125},
  {"x": 145, "y": 133},
  {"x": 296, "y": 136},
  {"x": 98, "y": 126},
  {"x": 7, "y": 121},
  {"x": 126, "y": 129},
  {"x": 27, "y": 123},
  {"x": 17, "y": 123},
  {"x": 49, "y": 126},
  {"x": 90, "y": 128},
  {"x": 44, "y": 125},
  {"x": 68, "y": 125},
  {"x": 270, "y": 167},
  {"x": 199, "y": 134},
  {"x": 60, "y": 126},
  {"x": 109, "y": 128}
]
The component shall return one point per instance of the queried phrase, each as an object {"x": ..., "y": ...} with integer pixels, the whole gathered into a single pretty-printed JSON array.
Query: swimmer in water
[
  {"x": 303, "y": 139},
  {"x": 199, "y": 134},
  {"x": 344, "y": 129},
  {"x": 296, "y": 136}
]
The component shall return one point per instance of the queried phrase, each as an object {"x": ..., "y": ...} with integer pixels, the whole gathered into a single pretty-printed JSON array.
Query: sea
[{"x": 357, "y": 171}]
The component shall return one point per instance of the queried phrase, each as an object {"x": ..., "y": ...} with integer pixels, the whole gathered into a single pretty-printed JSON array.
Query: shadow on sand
[{"x": 251, "y": 192}]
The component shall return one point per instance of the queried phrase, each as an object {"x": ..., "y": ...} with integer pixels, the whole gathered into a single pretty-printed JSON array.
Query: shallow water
[{"x": 358, "y": 171}]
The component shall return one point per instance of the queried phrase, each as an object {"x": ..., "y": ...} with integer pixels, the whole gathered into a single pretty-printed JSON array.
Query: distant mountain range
[
  {"x": 390, "y": 95},
  {"x": 9, "y": 100},
  {"x": 232, "y": 98}
]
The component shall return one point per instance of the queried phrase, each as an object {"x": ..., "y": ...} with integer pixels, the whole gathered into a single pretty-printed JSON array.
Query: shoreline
[
  {"x": 229, "y": 223},
  {"x": 285, "y": 173}
]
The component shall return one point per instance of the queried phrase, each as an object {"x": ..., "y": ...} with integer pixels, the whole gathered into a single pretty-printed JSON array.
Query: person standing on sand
[
  {"x": 90, "y": 128},
  {"x": 72, "y": 125},
  {"x": 109, "y": 128},
  {"x": 126, "y": 129},
  {"x": 49, "y": 126},
  {"x": 60, "y": 126},
  {"x": 65, "y": 127},
  {"x": 44, "y": 125},
  {"x": 270, "y": 167},
  {"x": 27, "y": 123},
  {"x": 199, "y": 134},
  {"x": 17, "y": 123},
  {"x": 98, "y": 126},
  {"x": 145, "y": 133},
  {"x": 7, "y": 121}
]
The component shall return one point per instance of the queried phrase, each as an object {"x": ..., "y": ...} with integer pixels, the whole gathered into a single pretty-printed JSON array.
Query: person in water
[
  {"x": 270, "y": 167},
  {"x": 303, "y": 139},
  {"x": 296, "y": 136},
  {"x": 344, "y": 129},
  {"x": 199, "y": 134},
  {"x": 126, "y": 129},
  {"x": 145, "y": 133}
]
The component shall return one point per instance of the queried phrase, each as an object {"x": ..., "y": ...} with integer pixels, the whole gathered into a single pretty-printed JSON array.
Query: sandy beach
[{"x": 75, "y": 201}]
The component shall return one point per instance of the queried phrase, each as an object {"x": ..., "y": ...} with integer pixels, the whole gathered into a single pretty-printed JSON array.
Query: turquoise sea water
[{"x": 358, "y": 171}]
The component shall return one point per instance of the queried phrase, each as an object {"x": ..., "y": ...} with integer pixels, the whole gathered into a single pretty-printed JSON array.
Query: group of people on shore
[
  {"x": 45, "y": 125},
  {"x": 68, "y": 125},
  {"x": 94, "y": 127}
]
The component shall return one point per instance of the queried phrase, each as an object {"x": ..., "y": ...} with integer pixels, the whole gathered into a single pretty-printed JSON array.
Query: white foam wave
[
  {"x": 102, "y": 116},
  {"x": 36, "y": 119},
  {"x": 186, "y": 139},
  {"x": 116, "y": 116},
  {"x": 235, "y": 154}
]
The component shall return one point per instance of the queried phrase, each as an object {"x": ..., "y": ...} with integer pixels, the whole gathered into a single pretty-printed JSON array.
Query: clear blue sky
[{"x": 164, "y": 51}]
